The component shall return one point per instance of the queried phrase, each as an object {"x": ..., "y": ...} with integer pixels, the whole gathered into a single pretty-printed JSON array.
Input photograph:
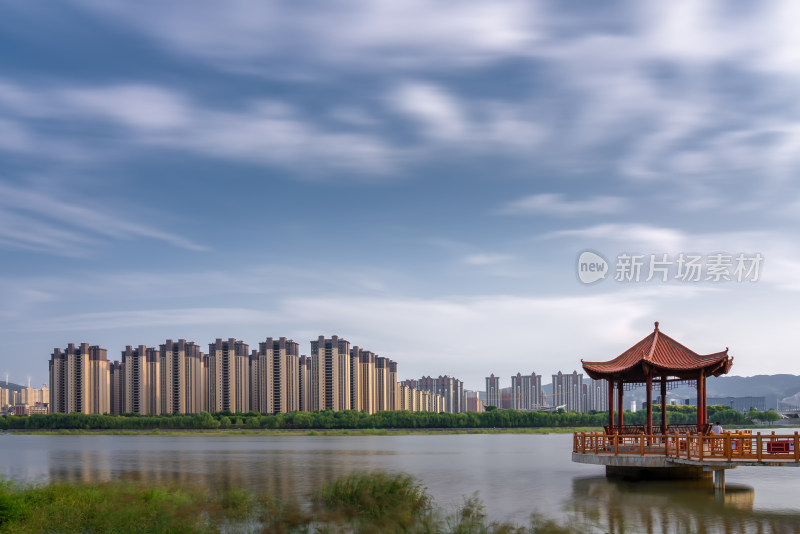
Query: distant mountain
[{"x": 759, "y": 385}]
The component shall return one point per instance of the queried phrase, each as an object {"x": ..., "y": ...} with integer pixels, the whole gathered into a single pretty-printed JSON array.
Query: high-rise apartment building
[
  {"x": 229, "y": 376},
  {"x": 394, "y": 385},
  {"x": 304, "y": 384},
  {"x": 451, "y": 391},
  {"x": 184, "y": 380},
  {"x": 493, "y": 391},
  {"x": 595, "y": 395},
  {"x": 330, "y": 374},
  {"x": 404, "y": 401},
  {"x": 355, "y": 379},
  {"x": 473, "y": 401},
  {"x": 141, "y": 368},
  {"x": 429, "y": 402},
  {"x": 362, "y": 363},
  {"x": 260, "y": 384},
  {"x": 568, "y": 391},
  {"x": 526, "y": 392},
  {"x": 383, "y": 384},
  {"x": 278, "y": 376},
  {"x": 79, "y": 380},
  {"x": 32, "y": 396},
  {"x": 419, "y": 396},
  {"x": 116, "y": 387}
]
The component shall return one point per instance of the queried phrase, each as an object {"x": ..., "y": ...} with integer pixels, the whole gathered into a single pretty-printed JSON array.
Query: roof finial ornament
[{"x": 656, "y": 325}]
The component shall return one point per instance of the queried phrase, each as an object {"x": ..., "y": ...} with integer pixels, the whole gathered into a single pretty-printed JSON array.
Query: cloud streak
[
  {"x": 409, "y": 34},
  {"x": 147, "y": 116},
  {"x": 558, "y": 205},
  {"x": 37, "y": 221}
]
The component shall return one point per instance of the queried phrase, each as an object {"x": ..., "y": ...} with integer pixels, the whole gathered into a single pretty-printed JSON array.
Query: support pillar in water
[{"x": 719, "y": 479}]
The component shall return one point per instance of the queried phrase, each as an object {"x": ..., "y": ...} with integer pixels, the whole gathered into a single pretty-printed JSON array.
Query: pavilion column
[
  {"x": 664, "y": 404},
  {"x": 610, "y": 405},
  {"x": 648, "y": 429},
  {"x": 701, "y": 396},
  {"x": 705, "y": 401},
  {"x": 619, "y": 405}
]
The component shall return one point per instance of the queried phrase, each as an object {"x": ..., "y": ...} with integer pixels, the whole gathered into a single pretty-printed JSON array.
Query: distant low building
[
  {"x": 505, "y": 399},
  {"x": 30, "y": 409}
]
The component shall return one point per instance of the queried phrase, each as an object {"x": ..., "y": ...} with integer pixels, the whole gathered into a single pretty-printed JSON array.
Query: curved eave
[
  {"x": 622, "y": 364},
  {"x": 713, "y": 364}
]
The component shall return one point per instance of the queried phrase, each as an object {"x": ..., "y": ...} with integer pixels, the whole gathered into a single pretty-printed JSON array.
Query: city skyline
[
  {"x": 178, "y": 378},
  {"x": 526, "y": 183},
  {"x": 186, "y": 351}
]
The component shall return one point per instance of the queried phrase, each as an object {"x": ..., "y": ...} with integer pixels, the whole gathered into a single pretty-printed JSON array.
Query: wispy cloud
[
  {"x": 158, "y": 317},
  {"x": 408, "y": 34},
  {"x": 559, "y": 206},
  {"x": 266, "y": 132},
  {"x": 477, "y": 126},
  {"x": 677, "y": 93},
  {"x": 438, "y": 111},
  {"x": 634, "y": 237},
  {"x": 487, "y": 259},
  {"x": 35, "y": 220}
]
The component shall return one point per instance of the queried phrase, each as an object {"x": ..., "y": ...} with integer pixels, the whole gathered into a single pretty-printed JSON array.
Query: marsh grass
[
  {"x": 359, "y": 503},
  {"x": 376, "y": 502},
  {"x": 103, "y": 507}
]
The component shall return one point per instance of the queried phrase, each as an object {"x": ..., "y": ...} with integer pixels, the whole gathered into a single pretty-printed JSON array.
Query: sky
[{"x": 420, "y": 178}]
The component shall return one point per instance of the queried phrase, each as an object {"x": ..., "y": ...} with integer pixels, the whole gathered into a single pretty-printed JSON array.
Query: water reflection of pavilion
[{"x": 618, "y": 506}]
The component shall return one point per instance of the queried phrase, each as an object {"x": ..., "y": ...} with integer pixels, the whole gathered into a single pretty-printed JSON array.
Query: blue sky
[{"x": 417, "y": 177}]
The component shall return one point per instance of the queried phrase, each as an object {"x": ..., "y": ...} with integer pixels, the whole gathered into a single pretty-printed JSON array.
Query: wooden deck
[{"x": 742, "y": 448}]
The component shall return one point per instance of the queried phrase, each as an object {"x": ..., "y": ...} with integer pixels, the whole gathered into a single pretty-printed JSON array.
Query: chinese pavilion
[{"x": 657, "y": 359}]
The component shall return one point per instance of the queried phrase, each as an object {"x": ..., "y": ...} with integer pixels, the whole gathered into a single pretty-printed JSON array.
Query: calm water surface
[{"x": 514, "y": 474}]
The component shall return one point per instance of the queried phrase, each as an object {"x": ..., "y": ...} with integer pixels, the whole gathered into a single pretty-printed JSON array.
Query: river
[{"x": 515, "y": 475}]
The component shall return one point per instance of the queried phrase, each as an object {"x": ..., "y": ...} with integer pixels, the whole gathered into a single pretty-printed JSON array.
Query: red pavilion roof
[{"x": 659, "y": 355}]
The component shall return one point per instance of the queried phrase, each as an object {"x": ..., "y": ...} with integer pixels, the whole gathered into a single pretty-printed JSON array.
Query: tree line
[{"x": 351, "y": 419}]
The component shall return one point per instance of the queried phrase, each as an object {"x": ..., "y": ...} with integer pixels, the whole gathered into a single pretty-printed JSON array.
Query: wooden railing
[{"x": 731, "y": 446}]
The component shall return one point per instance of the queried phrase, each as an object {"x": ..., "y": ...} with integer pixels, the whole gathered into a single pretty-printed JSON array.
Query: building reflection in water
[
  {"x": 617, "y": 506},
  {"x": 277, "y": 472}
]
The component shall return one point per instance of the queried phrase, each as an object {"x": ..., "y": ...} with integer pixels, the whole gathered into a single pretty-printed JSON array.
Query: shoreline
[{"x": 301, "y": 432}]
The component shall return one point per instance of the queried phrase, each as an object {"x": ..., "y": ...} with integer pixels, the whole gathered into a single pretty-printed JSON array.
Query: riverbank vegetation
[
  {"x": 353, "y": 420},
  {"x": 359, "y": 503}
]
